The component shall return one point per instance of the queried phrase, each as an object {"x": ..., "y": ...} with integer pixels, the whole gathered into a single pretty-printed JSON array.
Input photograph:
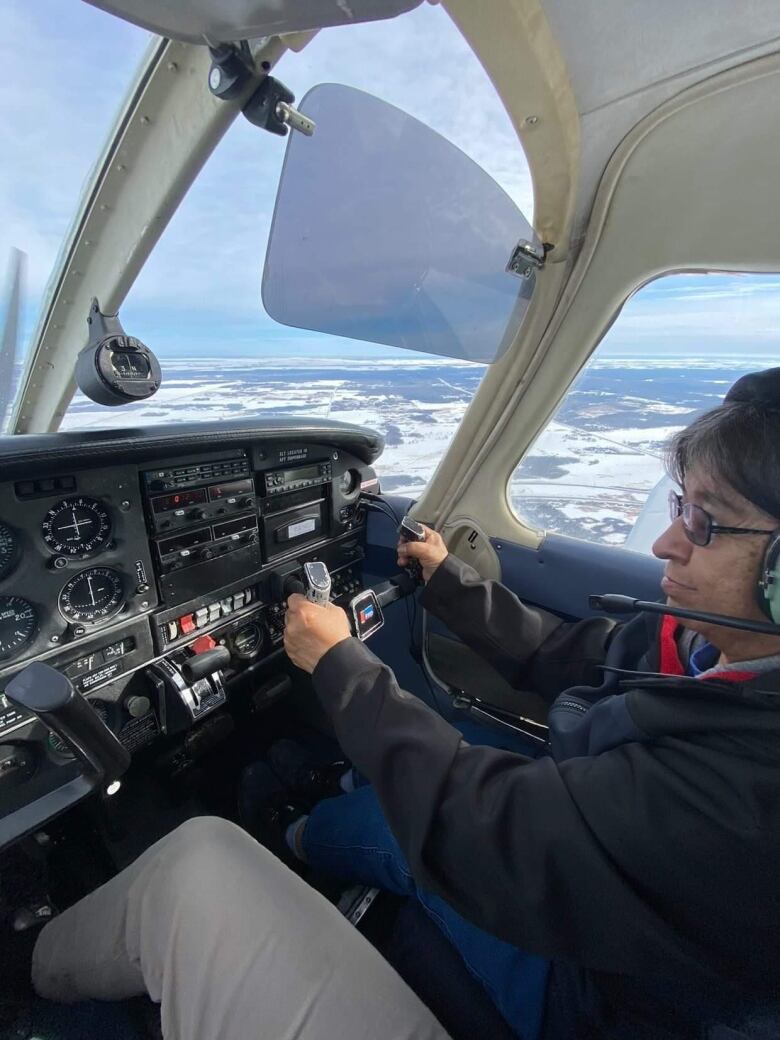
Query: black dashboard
[{"x": 149, "y": 568}]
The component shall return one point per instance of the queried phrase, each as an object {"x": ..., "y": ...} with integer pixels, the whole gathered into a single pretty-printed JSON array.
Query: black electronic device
[
  {"x": 202, "y": 514},
  {"x": 115, "y": 368},
  {"x": 411, "y": 530},
  {"x": 283, "y": 481},
  {"x": 296, "y": 507},
  {"x": 365, "y": 614}
]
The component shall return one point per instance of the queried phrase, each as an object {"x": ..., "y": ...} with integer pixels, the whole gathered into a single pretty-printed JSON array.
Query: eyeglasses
[{"x": 697, "y": 522}]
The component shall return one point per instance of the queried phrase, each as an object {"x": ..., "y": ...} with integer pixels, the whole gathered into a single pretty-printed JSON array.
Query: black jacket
[{"x": 640, "y": 853}]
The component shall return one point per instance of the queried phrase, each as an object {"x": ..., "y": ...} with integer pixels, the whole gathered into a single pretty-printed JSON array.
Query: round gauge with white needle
[
  {"x": 77, "y": 526},
  {"x": 18, "y": 624},
  {"x": 92, "y": 595}
]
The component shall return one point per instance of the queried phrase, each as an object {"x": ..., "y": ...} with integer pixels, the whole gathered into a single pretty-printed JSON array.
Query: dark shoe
[
  {"x": 308, "y": 780},
  {"x": 266, "y": 810}
]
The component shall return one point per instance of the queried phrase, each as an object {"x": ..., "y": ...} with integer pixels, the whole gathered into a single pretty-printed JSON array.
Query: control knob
[{"x": 137, "y": 706}]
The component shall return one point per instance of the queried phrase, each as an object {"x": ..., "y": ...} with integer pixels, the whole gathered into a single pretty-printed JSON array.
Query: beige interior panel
[
  {"x": 512, "y": 39},
  {"x": 694, "y": 187},
  {"x": 466, "y": 540}
]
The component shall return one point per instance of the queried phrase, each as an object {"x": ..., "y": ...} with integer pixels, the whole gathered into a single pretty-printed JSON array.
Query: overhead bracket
[
  {"x": 231, "y": 69},
  {"x": 527, "y": 257}
]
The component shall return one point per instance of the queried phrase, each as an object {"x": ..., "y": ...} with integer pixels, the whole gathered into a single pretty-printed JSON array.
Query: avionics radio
[
  {"x": 204, "y": 524},
  {"x": 296, "y": 507}
]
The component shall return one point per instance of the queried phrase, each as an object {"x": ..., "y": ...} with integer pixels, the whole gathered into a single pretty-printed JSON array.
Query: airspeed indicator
[{"x": 18, "y": 622}]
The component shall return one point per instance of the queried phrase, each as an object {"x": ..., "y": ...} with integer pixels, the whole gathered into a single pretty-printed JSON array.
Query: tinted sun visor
[
  {"x": 386, "y": 232},
  {"x": 220, "y": 21}
]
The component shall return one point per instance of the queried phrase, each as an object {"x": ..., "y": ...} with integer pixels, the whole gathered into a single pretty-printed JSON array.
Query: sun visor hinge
[
  {"x": 271, "y": 105},
  {"x": 528, "y": 257}
]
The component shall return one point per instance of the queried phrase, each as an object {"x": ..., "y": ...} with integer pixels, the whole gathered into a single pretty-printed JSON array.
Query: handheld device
[
  {"x": 366, "y": 614},
  {"x": 411, "y": 531},
  {"x": 316, "y": 579}
]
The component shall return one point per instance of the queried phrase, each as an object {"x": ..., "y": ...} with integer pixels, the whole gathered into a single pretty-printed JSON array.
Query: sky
[{"x": 199, "y": 293}]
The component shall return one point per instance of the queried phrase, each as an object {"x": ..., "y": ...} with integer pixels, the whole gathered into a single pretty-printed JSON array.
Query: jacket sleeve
[
  {"x": 557, "y": 859},
  {"x": 530, "y": 647}
]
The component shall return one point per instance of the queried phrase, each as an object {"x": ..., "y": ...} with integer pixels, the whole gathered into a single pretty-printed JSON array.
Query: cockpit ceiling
[
  {"x": 219, "y": 21},
  {"x": 616, "y": 50},
  {"x": 625, "y": 58}
]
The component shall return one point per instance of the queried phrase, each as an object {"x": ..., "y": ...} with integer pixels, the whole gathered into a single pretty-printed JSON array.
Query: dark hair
[{"x": 739, "y": 443}]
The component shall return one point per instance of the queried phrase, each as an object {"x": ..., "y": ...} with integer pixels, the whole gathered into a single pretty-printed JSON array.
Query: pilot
[{"x": 622, "y": 882}]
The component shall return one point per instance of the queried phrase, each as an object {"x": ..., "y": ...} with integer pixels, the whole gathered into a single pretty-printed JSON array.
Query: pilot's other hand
[
  {"x": 430, "y": 553},
  {"x": 310, "y": 631}
]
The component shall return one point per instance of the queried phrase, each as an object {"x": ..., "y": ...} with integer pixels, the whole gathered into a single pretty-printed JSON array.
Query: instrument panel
[
  {"x": 107, "y": 569},
  {"x": 73, "y": 557},
  {"x": 150, "y": 568}
]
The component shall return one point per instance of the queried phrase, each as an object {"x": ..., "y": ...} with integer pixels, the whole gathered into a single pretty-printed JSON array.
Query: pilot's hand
[
  {"x": 310, "y": 631},
  {"x": 430, "y": 553}
]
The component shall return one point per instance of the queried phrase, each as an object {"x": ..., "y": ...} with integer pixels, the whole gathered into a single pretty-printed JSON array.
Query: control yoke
[{"x": 50, "y": 695}]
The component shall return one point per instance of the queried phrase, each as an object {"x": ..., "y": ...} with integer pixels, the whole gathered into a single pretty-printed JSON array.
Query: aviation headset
[{"x": 762, "y": 389}]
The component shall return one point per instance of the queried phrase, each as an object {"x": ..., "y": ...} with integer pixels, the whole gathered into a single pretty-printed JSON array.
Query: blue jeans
[{"x": 349, "y": 838}]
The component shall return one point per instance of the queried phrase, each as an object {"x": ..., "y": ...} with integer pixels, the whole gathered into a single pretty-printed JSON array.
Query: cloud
[{"x": 698, "y": 314}]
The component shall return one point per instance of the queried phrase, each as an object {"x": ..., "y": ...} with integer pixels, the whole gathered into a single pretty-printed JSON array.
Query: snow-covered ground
[{"x": 588, "y": 475}]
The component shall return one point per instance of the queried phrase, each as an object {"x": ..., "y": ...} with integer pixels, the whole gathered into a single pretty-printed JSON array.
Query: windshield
[
  {"x": 62, "y": 91},
  {"x": 197, "y": 301}
]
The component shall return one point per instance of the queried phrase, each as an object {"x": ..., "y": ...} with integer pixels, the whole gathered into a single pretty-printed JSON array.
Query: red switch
[
  {"x": 202, "y": 644},
  {"x": 187, "y": 624}
]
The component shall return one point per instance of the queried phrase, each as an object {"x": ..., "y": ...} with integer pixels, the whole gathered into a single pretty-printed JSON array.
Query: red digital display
[{"x": 164, "y": 503}]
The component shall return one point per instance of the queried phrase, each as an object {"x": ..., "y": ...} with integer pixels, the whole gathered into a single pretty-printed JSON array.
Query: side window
[{"x": 596, "y": 472}]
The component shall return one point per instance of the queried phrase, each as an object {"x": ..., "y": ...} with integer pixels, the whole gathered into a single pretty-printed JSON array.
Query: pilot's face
[{"x": 720, "y": 577}]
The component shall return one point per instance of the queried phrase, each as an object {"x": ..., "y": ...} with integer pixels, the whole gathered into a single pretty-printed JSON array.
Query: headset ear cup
[{"x": 769, "y": 585}]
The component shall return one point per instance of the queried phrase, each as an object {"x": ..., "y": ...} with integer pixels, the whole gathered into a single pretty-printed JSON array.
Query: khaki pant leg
[{"x": 231, "y": 943}]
